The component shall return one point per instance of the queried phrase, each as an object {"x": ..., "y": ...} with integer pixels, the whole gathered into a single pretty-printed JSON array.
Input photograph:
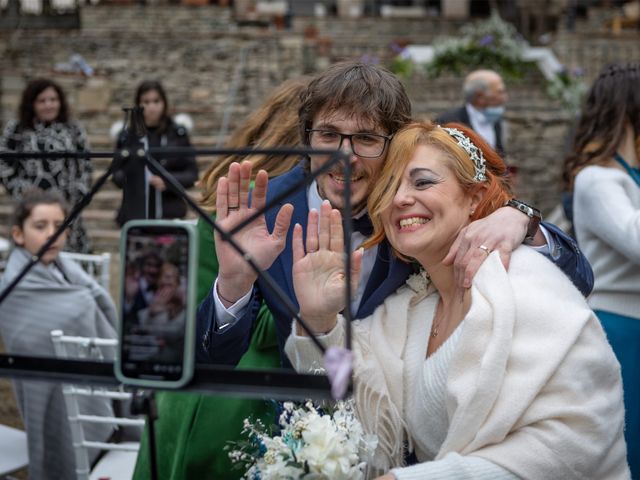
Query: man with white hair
[{"x": 485, "y": 96}]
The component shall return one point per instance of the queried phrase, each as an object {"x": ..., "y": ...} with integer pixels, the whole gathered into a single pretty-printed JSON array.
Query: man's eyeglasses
[{"x": 365, "y": 145}]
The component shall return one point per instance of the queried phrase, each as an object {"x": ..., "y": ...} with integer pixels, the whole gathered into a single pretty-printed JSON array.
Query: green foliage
[
  {"x": 402, "y": 66},
  {"x": 492, "y": 43},
  {"x": 568, "y": 87}
]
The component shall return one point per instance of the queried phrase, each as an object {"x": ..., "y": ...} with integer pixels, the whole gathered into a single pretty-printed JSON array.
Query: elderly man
[{"x": 485, "y": 96}]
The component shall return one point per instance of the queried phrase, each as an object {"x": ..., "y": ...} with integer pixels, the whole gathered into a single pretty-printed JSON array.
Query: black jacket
[
  {"x": 460, "y": 115},
  {"x": 131, "y": 176}
]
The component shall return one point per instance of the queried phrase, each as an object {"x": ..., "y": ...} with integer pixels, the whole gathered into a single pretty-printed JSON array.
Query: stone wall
[{"x": 196, "y": 52}]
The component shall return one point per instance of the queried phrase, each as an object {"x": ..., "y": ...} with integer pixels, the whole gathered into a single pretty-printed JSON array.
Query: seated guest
[
  {"x": 512, "y": 378},
  {"x": 55, "y": 294}
]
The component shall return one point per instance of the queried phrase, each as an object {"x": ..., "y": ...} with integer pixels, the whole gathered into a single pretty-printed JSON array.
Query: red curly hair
[{"x": 401, "y": 151}]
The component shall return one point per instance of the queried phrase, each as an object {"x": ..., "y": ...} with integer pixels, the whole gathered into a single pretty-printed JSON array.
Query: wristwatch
[{"x": 535, "y": 217}]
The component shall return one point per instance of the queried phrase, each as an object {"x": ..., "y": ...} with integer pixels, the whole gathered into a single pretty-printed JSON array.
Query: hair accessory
[{"x": 472, "y": 150}]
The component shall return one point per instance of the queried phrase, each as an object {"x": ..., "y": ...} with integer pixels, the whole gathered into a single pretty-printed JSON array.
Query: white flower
[{"x": 312, "y": 445}]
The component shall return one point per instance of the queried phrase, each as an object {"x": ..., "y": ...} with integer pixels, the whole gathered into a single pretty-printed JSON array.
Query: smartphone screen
[{"x": 154, "y": 302}]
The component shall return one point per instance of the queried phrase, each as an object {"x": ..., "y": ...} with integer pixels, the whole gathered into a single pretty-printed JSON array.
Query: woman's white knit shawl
[{"x": 533, "y": 385}]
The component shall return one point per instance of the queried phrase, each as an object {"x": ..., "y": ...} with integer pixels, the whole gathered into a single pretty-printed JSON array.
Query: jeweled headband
[{"x": 472, "y": 150}]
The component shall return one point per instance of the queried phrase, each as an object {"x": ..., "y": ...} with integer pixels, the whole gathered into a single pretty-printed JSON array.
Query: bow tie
[{"x": 362, "y": 225}]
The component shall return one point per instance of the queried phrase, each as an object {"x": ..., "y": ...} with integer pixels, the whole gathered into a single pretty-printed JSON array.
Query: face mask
[{"x": 493, "y": 114}]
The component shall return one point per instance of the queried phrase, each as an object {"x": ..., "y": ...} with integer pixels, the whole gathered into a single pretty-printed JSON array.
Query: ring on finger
[
  {"x": 233, "y": 208},
  {"x": 485, "y": 249}
]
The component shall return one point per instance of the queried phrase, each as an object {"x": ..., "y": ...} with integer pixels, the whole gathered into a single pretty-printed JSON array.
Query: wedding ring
[
  {"x": 485, "y": 249},
  {"x": 233, "y": 208}
]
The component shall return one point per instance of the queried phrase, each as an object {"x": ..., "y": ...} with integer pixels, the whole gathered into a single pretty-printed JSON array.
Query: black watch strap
[{"x": 535, "y": 217}]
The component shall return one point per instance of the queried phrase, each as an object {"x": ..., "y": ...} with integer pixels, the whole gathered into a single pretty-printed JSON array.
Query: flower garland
[{"x": 493, "y": 44}]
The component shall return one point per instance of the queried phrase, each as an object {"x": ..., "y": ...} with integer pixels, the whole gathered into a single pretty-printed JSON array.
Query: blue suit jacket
[{"x": 388, "y": 274}]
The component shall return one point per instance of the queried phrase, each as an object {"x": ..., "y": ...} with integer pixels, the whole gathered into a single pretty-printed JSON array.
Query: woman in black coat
[{"x": 162, "y": 131}]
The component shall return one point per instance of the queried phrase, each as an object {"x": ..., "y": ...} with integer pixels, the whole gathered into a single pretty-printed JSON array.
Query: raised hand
[
  {"x": 319, "y": 275},
  {"x": 235, "y": 276}
]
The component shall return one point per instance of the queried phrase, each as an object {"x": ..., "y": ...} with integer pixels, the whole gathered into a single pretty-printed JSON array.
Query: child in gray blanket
[{"x": 55, "y": 294}]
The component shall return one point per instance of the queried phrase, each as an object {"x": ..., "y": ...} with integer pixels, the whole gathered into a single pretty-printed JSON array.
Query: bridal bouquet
[{"x": 309, "y": 442}]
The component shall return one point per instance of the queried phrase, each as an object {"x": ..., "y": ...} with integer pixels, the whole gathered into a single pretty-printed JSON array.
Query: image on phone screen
[{"x": 154, "y": 302}]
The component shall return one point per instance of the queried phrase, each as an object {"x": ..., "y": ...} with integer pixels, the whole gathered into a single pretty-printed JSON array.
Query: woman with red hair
[{"x": 511, "y": 378}]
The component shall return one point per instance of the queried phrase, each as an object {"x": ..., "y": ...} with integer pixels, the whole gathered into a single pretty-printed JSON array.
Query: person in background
[
  {"x": 187, "y": 448},
  {"x": 162, "y": 131},
  {"x": 141, "y": 283},
  {"x": 485, "y": 96},
  {"x": 55, "y": 294},
  {"x": 512, "y": 378},
  {"x": 44, "y": 124},
  {"x": 603, "y": 175}
]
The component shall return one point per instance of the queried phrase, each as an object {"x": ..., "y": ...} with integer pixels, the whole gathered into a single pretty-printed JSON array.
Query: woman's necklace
[{"x": 437, "y": 320}]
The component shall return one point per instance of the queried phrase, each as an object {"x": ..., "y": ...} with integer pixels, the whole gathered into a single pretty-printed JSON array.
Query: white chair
[
  {"x": 4, "y": 253},
  {"x": 98, "y": 265},
  {"x": 14, "y": 453},
  {"x": 119, "y": 460}
]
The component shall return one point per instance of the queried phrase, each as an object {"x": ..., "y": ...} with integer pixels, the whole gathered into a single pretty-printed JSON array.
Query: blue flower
[
  {"x": 395, "y": 47},
  {"x": 262, "y": 449},
  {"x": 486, "y": 40}
]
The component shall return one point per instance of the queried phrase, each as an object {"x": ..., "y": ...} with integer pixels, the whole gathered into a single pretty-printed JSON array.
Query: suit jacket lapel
[
  {"x": 464, "y": 116},
  {"x": 387, "y": 275},
  {"x": 284, "y": 262},
  {"x": 498, "y": 129}
]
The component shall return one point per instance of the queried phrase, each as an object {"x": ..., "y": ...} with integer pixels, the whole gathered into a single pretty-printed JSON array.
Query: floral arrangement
[
  {"x": 309, "y": 442},
  {"x": 401, "y": 62},
  {"x": 491, "y": 43},
  {"x": 569, "y": 87}
]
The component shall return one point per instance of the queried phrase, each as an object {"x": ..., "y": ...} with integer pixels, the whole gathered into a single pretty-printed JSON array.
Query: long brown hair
[
  {"x": 401, "y": 151},
  {"x": 273, "y": 124},
  {"x": 614, "y": 100}
]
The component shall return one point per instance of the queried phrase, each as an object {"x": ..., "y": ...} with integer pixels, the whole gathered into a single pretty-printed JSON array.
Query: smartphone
[{"x": 157, "y": 303}]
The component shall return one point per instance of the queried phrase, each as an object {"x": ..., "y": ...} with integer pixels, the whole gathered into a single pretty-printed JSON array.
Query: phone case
[{"x": 189, "y": 329}]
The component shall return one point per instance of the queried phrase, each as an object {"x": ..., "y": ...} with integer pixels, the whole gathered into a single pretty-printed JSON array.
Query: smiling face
[
  {"x": 429, "y": 208},
  {"x": 47, "y": 105},
  {"x": 169, "y": 276},
  {"x": 38, "y": 227},
  {"x": 364, "y": 171}
]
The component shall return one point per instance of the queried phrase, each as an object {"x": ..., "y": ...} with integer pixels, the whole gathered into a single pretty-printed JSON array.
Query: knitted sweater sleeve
[
  {"x": 303, "y": 353},
  {"x": 602, "y": 201}
]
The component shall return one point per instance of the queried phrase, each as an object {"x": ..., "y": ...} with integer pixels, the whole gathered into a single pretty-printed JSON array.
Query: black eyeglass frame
[{"x": 386, "y": 138}]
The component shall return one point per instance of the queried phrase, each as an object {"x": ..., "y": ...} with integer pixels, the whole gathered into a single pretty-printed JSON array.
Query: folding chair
[
  {"x": 119, "y": 460},
  {"x": 95, "y": 265},
  {"x": 4, "y": 253}
]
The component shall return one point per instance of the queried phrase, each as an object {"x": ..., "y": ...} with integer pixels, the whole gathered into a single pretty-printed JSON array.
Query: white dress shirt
[{"x": 481, "y": 126}]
